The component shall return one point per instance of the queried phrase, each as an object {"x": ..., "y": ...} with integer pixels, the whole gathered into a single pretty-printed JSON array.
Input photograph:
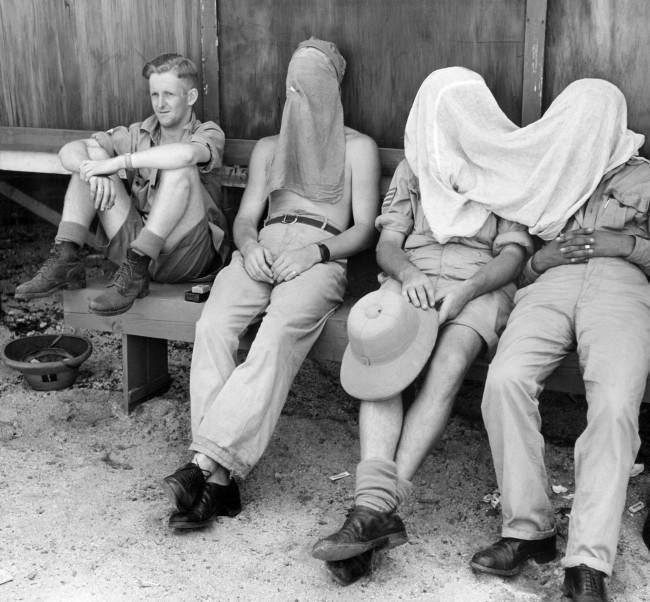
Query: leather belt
[{"x": 290, "y": 218}]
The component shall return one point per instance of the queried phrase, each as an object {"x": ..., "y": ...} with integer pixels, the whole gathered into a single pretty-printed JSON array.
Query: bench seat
[{"x": 165, "y": 315}]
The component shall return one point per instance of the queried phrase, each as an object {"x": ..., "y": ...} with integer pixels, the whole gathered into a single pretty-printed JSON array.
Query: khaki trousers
[
  {"x": 235, "y": 408},
  {"x": 603, "y": 309}
]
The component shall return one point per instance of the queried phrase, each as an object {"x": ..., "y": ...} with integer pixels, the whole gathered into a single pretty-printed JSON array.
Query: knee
[
  {"x": 505, "y": 383},
  {"x": 180, "y": 179}
]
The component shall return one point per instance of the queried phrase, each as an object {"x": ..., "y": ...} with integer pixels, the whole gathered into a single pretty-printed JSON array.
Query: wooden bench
[{"x": 164, "y": 314}]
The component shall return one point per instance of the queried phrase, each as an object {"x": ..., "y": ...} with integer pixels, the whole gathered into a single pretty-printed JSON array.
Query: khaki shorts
[
  {"x": 450, "y": 264},
  {"x": 193, "y": 257}
]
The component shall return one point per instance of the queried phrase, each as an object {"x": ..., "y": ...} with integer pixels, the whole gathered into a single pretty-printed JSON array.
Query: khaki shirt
[
  {"x": 620, "y": 203},
  {"x": 143, "y": 180},
  {"x": 402, "y": 212}
]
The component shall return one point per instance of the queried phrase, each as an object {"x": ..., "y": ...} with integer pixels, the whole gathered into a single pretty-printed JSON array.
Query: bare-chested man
[{"x": 320, "y": 181}]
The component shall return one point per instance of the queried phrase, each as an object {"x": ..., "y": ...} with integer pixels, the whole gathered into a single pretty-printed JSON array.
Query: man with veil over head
[{"x": 317, "y": 182}]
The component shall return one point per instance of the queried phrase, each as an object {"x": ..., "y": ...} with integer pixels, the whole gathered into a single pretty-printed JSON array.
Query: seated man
[
  {"x": 589, "y": 293},
  {"x": 470, "y": 279},
  {"x": 168, "y": 227},
  {"x": 321, "y": 181},
  {"x": 471, "y": 162}
]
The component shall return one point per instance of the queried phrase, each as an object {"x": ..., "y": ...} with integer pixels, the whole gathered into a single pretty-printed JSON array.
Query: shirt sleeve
[
  {"x": 512, "y": 233},
  {"x": 116, "y": 141},
  {"x": 210, "y": 134},
  {"x": 396, "y": 209},
  {"x": 640, "y": 254}
]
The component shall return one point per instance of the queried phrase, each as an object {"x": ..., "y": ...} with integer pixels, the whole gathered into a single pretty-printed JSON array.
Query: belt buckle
[{"x": 286, "y": 215}]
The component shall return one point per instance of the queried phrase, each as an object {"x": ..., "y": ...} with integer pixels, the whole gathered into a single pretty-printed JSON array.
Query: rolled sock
[
  {"x": 403, "y": 490},
  {"x": 376, "y": 484},
  {"x": 71, "y": 232},
  {"x": 147, "y": 243}
]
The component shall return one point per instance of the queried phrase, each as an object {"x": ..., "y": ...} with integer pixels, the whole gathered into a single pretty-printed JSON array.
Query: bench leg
[{"x": 144, "y": 369}]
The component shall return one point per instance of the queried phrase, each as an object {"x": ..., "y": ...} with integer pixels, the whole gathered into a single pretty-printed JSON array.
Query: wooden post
[
  {"x": 534, "y": 41},
  {"x": 209, "y": 60}
]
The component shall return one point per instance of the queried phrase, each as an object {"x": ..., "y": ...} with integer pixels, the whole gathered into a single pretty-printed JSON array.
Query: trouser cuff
[
  {"x": 527, "y": 535},
  {"x": 71, "y": 232},
  {"x": 147, "y": 243},
  {"x": 222, "y": 456},
  {"x": 376, "y": 484},
  {"x": 590, "y": 561}
]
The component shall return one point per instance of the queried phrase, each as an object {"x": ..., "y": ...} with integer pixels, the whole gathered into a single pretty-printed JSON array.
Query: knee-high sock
[{"x": 376, "y": 484}]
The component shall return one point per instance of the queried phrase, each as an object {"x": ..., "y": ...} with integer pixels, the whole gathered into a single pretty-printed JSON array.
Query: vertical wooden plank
[
  {"x": 209, "y": 60},
  {"x": 390, "y": 47},
  {"x": 145, "y": 373},
  {"x": 534, "y": 45},
  {"x": 606, "y": 39}
]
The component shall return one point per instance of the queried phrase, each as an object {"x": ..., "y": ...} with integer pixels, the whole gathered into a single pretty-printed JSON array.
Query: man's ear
[{"x": 192, "y": 96}]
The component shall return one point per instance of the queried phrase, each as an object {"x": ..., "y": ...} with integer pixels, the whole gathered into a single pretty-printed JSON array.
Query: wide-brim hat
[{"x": 390, "y": 341}]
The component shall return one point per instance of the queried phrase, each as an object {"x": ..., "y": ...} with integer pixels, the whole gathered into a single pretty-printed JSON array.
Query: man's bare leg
[
  {"x": 456, "y": 349},
  {"x": 177, "y": 207},
  {"x": 64, "y": 267}
]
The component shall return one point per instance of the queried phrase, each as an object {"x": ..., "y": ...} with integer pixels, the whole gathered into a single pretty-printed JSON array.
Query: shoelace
[
  {"x": 123, "y": 275},
  {"x": 51, "y": 260},
  {"x": 591, "y": 582}
]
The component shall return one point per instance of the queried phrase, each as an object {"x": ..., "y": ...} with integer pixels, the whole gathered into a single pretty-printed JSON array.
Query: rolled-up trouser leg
[{"x": 238, "y": 422}]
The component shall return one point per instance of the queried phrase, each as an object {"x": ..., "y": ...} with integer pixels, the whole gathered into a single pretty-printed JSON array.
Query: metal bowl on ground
[{"x": 48, "y": 361}]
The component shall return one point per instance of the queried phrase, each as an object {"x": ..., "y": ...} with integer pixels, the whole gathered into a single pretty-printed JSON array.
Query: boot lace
[
  {"x": 123, "y": 275},
  {"x": 51, "y": 262},
  {"x": 592, "y": 584}
]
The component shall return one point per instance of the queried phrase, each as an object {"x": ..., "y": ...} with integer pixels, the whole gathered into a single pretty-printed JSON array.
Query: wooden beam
[
  {"x": 534, "y": 41},
  {"x": 29, "y": 203},
  {"x": 44, "y": 140},
  {"x": 210, "y": 60}
]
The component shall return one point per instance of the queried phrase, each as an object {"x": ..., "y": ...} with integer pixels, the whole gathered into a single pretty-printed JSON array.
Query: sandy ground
[{"x": 84, "y": 515}]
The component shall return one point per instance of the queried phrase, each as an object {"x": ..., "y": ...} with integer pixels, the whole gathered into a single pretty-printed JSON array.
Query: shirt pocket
[{"x": 629, "y": 206}]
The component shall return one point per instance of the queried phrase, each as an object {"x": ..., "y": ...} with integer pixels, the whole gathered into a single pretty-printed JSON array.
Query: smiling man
[{"x": 169, "y": 227}]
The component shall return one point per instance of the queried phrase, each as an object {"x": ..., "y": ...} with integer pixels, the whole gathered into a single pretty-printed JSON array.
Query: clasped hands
[
  {"x": 262, "y": 265},
  {"x": 96, "y": 173},
  {"x": 580, "y": 245}
]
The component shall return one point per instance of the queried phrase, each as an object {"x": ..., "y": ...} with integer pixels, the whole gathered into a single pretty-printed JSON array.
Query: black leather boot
[
  {"x": 584, "y": 584},
  {"x": 216, "y": 500},
  {"x": 506, "y": 556}
]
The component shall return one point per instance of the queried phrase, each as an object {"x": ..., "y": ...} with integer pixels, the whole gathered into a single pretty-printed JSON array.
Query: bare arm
[
  {"x": 363, "y": 156},
  {"x": 257, "y": 259},
  {"x": 73, "y": 153},
  {"x": 416, "y": 285},
  {"x": 364, "y": 164},
  {"x": 102, "y": 188},
  {"x": 165, "y": 156},
  {"x": 497, "y": 272}
]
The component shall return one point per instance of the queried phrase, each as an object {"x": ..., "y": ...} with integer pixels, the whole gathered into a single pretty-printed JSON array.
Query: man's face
[{"x": 171, "y": 99}]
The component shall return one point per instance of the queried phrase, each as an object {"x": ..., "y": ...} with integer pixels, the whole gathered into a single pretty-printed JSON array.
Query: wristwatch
[{"x": 324, "y": 252}]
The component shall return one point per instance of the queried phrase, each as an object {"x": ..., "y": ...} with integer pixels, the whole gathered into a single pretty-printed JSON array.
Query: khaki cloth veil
[
  {"x": 309, "y": 157},
  {"x": 471, "y": 160}
]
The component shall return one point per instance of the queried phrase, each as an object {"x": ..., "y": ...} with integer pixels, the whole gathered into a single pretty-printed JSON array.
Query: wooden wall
[
  {"x": 77, "y": 64},
  {"x": 390, "y": 45},
  {"x": 601, "y": 38}
]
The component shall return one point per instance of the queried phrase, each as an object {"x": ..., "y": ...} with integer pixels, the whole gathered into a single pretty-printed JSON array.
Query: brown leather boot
[
  {"x": 130, "y": 282},
  {"x": 62, "y": 269}
]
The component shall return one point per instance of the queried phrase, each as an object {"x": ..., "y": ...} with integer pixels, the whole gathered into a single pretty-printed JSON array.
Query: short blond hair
[{"x": 181, "y": 66}]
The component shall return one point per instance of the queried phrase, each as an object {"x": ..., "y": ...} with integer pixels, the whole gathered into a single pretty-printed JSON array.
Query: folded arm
[{"x": 165, "y": 156}]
